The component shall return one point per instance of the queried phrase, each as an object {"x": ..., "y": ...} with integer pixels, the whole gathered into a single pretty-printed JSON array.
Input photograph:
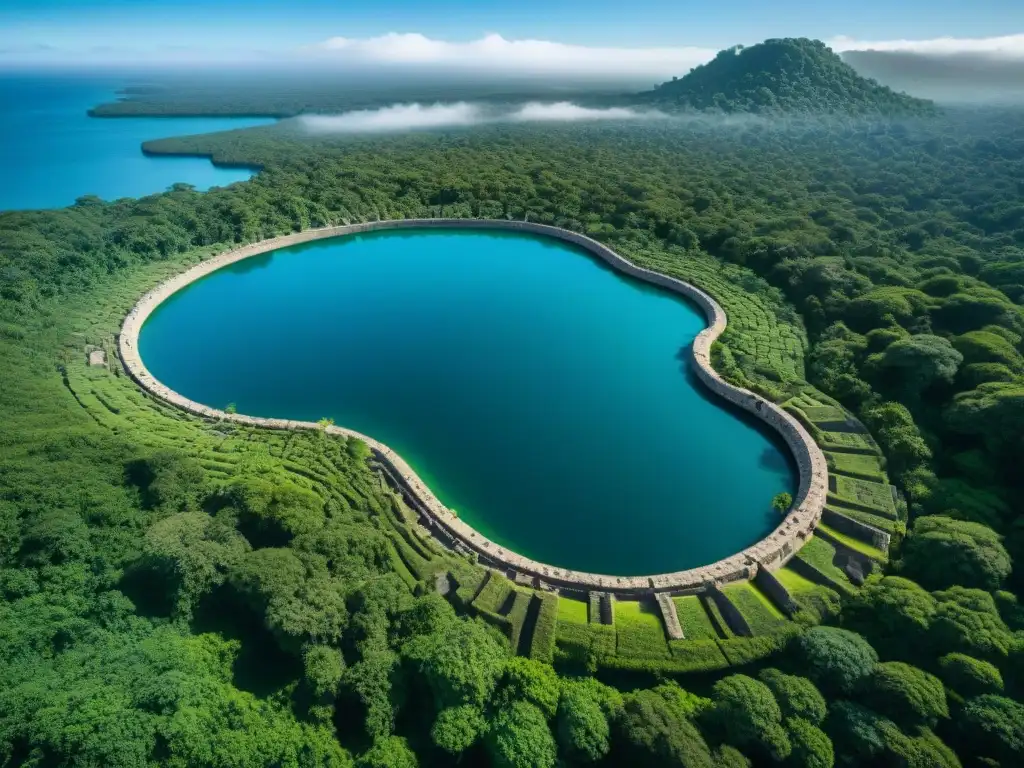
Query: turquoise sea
[
  {"x": 544, "y": 397},
  {"x": 52, "y": 152}
]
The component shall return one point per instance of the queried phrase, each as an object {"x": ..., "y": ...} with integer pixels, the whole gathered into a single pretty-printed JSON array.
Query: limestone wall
[{"x": 771, "y": 552}]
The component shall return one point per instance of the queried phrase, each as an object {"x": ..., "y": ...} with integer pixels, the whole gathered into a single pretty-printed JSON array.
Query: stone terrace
[{"x": 771, "y": 553}]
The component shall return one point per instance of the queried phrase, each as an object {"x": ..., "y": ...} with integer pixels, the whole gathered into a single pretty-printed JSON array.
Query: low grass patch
[
  {"x": 859, "y": 465},
  {"x": 819, "y": 554},
  {"x": 697, "y": 655},
  {"x": 638, "y": 630},
  {"x": 875, "y": 521},
  {"x": 745, "y": 650},
  {"x": 793, "y": 581},
  {"x": 573, "y": 611},
  {"x": 855, "y": 544},
  {"x": 863, "y": 493},
  {"x": 823, "y": 413},
  {"x": 575, "y": 642},
  {"x": 422, "y": 568},
  {"x": 848, "y": 441},
  {"x": 717, "y": 619},
  {"x": 760, "y": 613},
  {"x": 399, "y": 567},
  {"x": 694, "y": 619}
]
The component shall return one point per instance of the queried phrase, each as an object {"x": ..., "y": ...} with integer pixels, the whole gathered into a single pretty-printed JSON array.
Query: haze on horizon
[{"x": 945, "y": 51}]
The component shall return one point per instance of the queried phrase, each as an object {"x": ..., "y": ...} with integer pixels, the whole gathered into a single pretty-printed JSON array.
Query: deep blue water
[
  {"x": 52, "y": 152},
  {"x": 544, "y": 397}
]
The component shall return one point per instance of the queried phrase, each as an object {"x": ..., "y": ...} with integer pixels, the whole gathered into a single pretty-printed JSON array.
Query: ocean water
[
  {"x": 544, "y": 397},
  {"x": 52, "y": 152}
]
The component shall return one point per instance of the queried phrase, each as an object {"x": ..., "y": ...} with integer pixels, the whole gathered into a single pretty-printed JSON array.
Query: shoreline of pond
[{"x": 769, "y": 553}]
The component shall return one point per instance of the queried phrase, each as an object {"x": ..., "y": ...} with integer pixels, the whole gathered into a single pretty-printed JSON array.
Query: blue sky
[{"x": 76, "y": 30}]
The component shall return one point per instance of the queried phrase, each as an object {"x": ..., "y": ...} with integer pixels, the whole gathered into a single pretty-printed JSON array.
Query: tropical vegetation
[{"x": 184, "y": 592}]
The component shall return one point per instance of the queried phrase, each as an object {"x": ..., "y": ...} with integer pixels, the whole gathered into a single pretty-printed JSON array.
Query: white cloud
[
  {"x": 494, "y": 53},
  {"x": 565, "y": 110},
  {"x": 397, "y": 117},
  {"x": 411, "y": 117},
  {"x": 1009, "y": 46}
]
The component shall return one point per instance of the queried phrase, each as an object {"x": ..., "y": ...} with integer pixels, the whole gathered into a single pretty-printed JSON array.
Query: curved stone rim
[{"x": 771, "y": 552}]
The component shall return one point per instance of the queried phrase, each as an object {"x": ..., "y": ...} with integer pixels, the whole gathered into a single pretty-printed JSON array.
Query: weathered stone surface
[
  {"x": 669, "y": 616},
  {"x": 855, "y": 528},
  {"x": 772, "y": 552}
]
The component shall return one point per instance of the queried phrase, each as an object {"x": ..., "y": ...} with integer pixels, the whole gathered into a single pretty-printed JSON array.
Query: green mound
[{"x": 782, "y": 76}]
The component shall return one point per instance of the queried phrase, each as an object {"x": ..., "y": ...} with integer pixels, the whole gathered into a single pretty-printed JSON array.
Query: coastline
[{"x": 770, "y": 553}]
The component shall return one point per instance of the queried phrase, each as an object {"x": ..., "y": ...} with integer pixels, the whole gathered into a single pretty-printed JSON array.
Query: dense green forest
[
  {"x": 190, "y": 593},
  {"x": 786, "y": 76},
  {"x": 273, "y": 94}
]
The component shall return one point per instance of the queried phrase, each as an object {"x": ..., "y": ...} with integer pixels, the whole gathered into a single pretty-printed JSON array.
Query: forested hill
[{"x": 783, "y": 75}]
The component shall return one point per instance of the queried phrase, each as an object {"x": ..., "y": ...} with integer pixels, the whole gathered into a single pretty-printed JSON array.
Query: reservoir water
[
  {"x": 52, "y": 152},
  {"x": 543, "y": 396}
]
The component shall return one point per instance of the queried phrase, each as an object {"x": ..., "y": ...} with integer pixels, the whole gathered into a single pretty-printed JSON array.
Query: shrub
[
  {"x": 519, "y": 737},
  {"x": 746, "y": 714},
  {"x": 836, "y": 659},
  {"x": 968, "y": 676},
  {"x": 993, "y": 726},
  {"x": 906, "y": 694},
  {"x": 797, "y": 696},
  {"x": 811, "y": 748},
  {"x": 457, "y": 728},
  {"x": 654, "y": 729},
  {"x": 941, "y": 552}
]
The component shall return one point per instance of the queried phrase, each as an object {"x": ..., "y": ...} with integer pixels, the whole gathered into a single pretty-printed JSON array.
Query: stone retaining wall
[
  {"x": 855, "y": 528},
  {"x": 736, "y": 621},
  {"x": 812, "y": 574},
  {"x": 776, "y": 591},
  {"x": 771, "y": 552}
]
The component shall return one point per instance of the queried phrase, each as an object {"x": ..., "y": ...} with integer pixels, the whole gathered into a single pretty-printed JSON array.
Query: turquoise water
[
  {"x": 52, "y": 152},
  {"x": 543, "y": 396}
]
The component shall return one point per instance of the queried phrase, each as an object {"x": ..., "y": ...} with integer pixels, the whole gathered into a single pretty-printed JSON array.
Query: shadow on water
[
  {"x": 775, "y": 462},
  {"x": 252, "y": 263},
  {"x": 778, "y": 459}
]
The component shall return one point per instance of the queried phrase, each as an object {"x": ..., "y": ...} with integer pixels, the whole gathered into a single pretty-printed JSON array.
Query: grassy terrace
[
  {"x": 538, "y": 624},
  {"x": 858, "y": 486},
  {"x": 694, "y": 619},
  {"x": 639, "y": 632},
  {"x": 868, "y": 518},
  {"x": 820, "y": 554},
  {"x": 856, "y": 544},
  {"x": 856, "y": 465},
  {"x": 761, "y": 614},
  {"x": 759, "y": 333},
  {"x": 572, "y": 611},
  {"x": 794, "y": 583},
  {"x": 861, "y": 494},
  {"x": 840, "y": 442}
]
